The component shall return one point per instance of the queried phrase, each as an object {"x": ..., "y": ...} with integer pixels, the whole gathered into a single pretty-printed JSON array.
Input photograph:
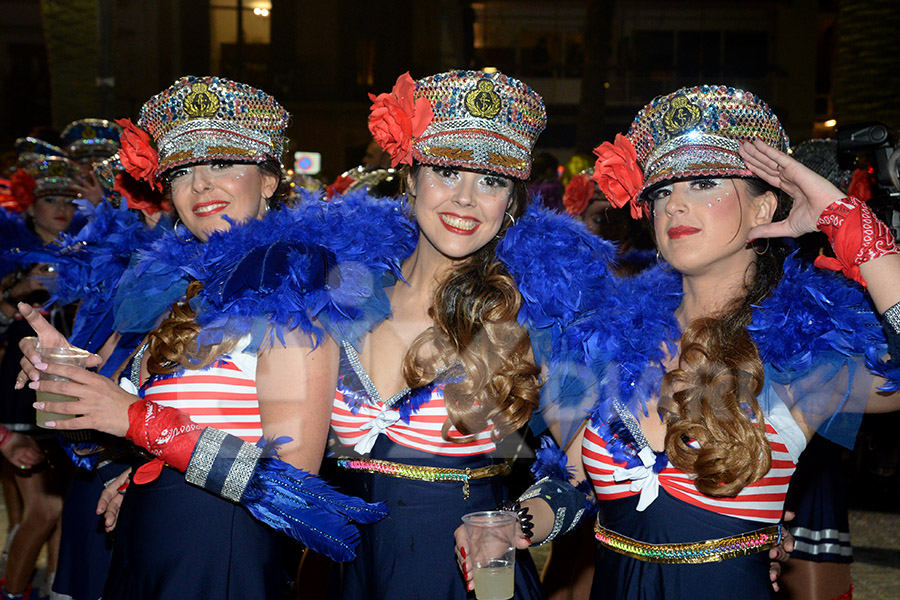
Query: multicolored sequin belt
[
  {"x": 691, "y": 552},
  {"x": 422, "y": 473}
]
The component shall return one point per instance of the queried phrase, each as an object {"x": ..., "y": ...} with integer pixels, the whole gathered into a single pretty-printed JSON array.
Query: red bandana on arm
[
  {"x": 166, "y": 433},
  {"x": 856, "y": 235}
]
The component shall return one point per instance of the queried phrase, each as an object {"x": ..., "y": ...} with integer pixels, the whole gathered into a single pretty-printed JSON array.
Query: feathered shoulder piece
[
  {"x": 156, "y": 276},
  {"x": 316, "y": 265},
  {"x": 564, "y": 274},
  {"x": 15, "y": 238},
  {"x": 811, "y": 317},
  {"x": 560, "y": 268},
  {"x": 91, "y": 261}
]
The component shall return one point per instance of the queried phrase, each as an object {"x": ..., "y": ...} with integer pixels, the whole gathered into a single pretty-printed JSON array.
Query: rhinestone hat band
[
  {"x": 91, "y": 139},
  {"x": 200, "y": 119},
  {"x": 696, "y": 132},
  {"x": 54, "y": 176},
  {"x": 482, "y": 121}
]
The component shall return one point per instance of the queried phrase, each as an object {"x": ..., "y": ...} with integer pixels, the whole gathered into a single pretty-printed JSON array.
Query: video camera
[{"x": 870, "y": 145}]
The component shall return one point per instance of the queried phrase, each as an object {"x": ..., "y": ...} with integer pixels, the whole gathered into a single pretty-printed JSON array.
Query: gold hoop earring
[
  {"x": 661, "y": 264},
  {"x": 182, "y": 236},
  {"x": 764, "y": 250},
  {"x": 511, "y": 218}
]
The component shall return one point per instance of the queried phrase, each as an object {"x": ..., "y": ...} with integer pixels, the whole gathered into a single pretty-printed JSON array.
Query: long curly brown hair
[
  {"x": 715, "y": 427},
  {"x": 173, "y": 344},
  {"x": 474, "y": 311}
]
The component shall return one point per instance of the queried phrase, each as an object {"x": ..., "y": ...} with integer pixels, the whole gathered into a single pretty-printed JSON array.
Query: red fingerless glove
[
  {"x": 164, "y": 432},
  {"x": 856, "y": 235}
]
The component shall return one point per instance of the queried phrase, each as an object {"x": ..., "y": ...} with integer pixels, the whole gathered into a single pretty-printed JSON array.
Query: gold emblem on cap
[
  {"x": 201, "y": 102},
  {"x": 88, "y": 133},
  {"x": 448, "y": 153},
  {"x": 483, "y": 101},
  {"x": 56, "y": 169},
  {"x": 504, "y": 160},
  {"x": 681, "y": 116}
]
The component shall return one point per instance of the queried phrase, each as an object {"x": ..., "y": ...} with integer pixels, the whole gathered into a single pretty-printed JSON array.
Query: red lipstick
[
  {"x": 681, "y": 231},
  {"x": 208, "y": 209},
  {"x": 458, "y": 224}
]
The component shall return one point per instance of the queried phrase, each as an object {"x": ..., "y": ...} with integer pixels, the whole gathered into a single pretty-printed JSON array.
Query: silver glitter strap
[
  {"x": 892, "y": 316},
  {"x": 222, "y": 463},
  {"x": 136, "y": 362}
]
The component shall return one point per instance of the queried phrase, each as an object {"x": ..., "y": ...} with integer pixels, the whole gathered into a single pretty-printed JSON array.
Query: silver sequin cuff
[{"x": 892, "y": 316}]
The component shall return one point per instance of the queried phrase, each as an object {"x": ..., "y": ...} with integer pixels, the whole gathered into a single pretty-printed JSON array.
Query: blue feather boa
[
  {"x": 91, "y": 264},
  {"x": 812, "y": 318},
  {"x": 304, "y": 507},
  {"x": 318, "y": 262}
]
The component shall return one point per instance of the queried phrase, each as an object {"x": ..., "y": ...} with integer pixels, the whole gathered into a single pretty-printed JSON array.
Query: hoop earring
[
  {"x": 179, "y": 235},
  {"x": 756, "y": 249},
  {"x": 511, "y": 218},
  {"x": 661, "y": 264}
]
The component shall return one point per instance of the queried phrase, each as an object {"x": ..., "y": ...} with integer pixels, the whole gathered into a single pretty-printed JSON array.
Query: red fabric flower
[
  {"x": 138, "y": 156},
  {"x": 618, "y": 175},
  {"x": 397, "y": 119},
  {"x": 339, "y": 186},
  {"x": 22, "y": 187},
  {"x": 138, "y": 196},
  {"x": 860, "y": 185},
  {"x": 578, "y": 194}
]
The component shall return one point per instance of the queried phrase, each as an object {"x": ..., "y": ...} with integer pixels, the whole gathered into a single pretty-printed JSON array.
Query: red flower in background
[
  {"x": 860, "y": 185},
  {"x": 578, "y": 194},
  {"x": 138, "y": 155},
  {"x": 21, "y": 186},
  {"x": 140, "y": 196},
  {"x": 618, "y": 175},
  {"x": 339, "y": 186},
  {"x": 397, "y": 119}
]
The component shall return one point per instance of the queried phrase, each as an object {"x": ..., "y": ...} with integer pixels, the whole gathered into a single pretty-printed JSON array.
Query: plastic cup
[
  {"x": 57, "y": 356},
  {"x": 492, "y": 551}
]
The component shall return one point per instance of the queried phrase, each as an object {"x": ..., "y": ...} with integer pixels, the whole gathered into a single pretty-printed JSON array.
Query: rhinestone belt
[
  {"x": 422, "y": 473},
  {"x": 691, "y": 552}
]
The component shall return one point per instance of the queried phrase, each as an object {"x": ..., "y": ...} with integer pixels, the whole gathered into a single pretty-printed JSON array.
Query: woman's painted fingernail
[
  {"x": 40, "y": 366},
  {"x": 462, "y": 551},
  {"x": 34, "y": 384},
  {"x": 38, "y": 405},
  {"x": 50, "y": 424}
]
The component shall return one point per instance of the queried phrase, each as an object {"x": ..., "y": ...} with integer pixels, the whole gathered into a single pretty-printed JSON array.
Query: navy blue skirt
[
  {"x": 176, "y": 541},
  {"x": 410, "y": 554},
  {"x": 85, "y": 548},
  {"x": 818, "y": 496},
  {"x": 669, "y": 520}
]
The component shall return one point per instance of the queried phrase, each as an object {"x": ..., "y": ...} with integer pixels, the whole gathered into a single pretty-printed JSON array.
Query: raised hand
[
  {"x": 47, "y": 337},
  {"x": 811, "y": 192}
]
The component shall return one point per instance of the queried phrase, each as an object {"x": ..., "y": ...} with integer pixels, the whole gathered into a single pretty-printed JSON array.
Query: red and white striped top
[
  {"x": 423, "y": 432},
  {"x": 222, "y": 396},
  {"x": 762, "y": 501}
]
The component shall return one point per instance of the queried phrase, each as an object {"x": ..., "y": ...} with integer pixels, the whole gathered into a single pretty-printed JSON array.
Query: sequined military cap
[
  {"x": 54, "y": 176},
  {"x": 91, "y": 139},
  {"x": 202, "y": 119},
  {"x": 32, "y": 148},
  {"x": 482, "y": 121},
  {"x": 696, "y": 132}
]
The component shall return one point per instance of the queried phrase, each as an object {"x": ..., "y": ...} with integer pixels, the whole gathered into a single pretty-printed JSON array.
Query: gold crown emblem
[
  {"x": 483, "y": 101},
  {"x": 57, "y": 169},
  {"x": 201, "y": 102},
  {"x": 88, "y": 133},
  {"x": 681, "y": 116}
]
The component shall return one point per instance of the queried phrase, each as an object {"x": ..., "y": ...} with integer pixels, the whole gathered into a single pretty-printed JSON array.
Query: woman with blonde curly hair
[
  {"x": 425, "y": 397},
  {"x": 715, "y": 369},
  {"x": 238, "y": 286}
]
